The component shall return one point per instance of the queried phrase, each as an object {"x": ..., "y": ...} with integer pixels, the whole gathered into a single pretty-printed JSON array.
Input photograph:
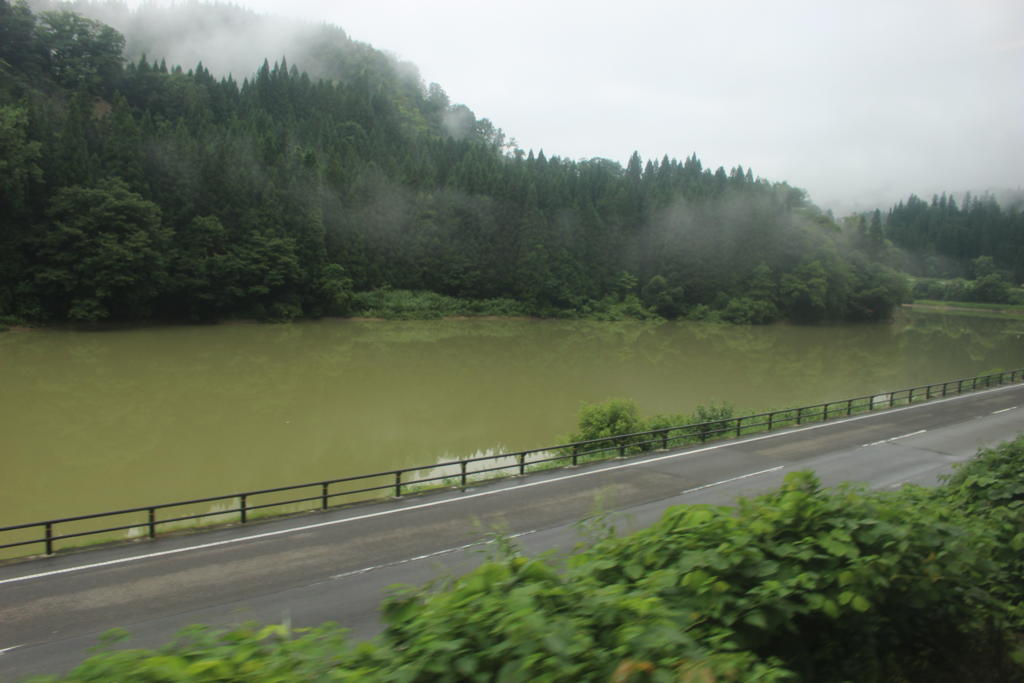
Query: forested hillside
[
  {"x": 949, "y": 236},
  {"x": 971, "y": 251},
  {"x": 135, "y": 189}
]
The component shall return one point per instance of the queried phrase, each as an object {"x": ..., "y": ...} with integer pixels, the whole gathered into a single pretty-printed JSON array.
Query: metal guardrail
[{"x": 399, "y": 481}]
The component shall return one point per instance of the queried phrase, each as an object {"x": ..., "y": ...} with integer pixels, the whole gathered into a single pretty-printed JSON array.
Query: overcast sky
[{"x": 860, "y": 102}]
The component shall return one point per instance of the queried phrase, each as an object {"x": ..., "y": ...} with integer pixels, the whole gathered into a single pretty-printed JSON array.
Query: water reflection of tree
[{"x": 976, "y": 338}]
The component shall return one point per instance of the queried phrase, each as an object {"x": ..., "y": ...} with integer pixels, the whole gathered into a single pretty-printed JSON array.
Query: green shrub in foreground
[
  {"x": 840, "y": 585},
  {"x": 989, "y": 491}
]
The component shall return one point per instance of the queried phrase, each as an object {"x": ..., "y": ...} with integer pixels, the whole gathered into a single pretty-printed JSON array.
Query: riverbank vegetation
[
  {"x": 803, "y": 583},
  {"x": 969, "y": 307},
  {"x": 618, "y": 420},
  {"x": 987, "y": 285},
  {"x": 421, "y": 305}
]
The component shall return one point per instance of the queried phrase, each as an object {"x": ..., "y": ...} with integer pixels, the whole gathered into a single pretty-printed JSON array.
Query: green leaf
[
  {"x": 860, "y": 603},
  {"x": 208, "y": 665},
  {"x": 756, "y": 619}
]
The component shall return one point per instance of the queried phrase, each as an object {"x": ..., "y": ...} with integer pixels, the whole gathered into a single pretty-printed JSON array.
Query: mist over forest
[{"x": 201, "y": 162}]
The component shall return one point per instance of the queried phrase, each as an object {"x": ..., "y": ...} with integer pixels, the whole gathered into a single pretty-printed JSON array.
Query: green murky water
[{"x": 92, "y": 421}]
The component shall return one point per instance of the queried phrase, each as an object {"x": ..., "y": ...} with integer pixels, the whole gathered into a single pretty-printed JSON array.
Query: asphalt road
[{"x": 336, "y": 565}]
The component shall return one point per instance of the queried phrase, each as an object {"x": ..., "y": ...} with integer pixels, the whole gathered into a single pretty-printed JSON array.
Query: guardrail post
[
  {"x": 824, "y": 413},
  {"x": 928, "y": 392},
  {"x": 398, "y": 484},
  {"x": 974, "y": 383},
  {"x": 664, "y": 440},
  {"x": 799, "y": 414},
  {"x": 944, "y": 389},
  {"x": 323, "y": 496},
  {"x": 771, "y": 416},
  {"x": 152, "y": 522},
  {"x": 49, "y": 538},
  {"x": 910, "y": 397},
  {"x": 242, "y": 504},
  {"x": 622, "y": 449},
  {"x": 739, "y": 426},
  {"x": 849, "y": 407},
  {"x": 522, "y": 463}
]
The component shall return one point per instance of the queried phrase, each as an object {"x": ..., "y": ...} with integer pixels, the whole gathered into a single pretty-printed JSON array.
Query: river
[{"x": 93, "y": 421}]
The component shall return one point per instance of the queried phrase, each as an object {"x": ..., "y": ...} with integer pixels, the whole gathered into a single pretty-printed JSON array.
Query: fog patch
[{"x": 459, "y": 122}]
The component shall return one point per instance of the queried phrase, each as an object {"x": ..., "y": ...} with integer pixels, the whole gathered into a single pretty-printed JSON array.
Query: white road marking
[
  {"x": 1004, "y": 410},
  {"x": 894, "y": 438},
  {"x": 907, "y": 436},
  {"x": 728, "y": 481},
  {"x": 496, "y": 491},
  {"x": 8, "y": 649},
  {"x": 397, "y": 563}
]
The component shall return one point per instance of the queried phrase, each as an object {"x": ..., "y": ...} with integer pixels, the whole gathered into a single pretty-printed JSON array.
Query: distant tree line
[
  {"x": 947, "y": 238},
  {"x": 972, "y": 251},
  {"x": 134, "y": 190},
  {"x": 988, "y": 284}
]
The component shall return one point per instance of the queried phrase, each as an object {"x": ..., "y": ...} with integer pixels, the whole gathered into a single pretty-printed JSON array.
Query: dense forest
[
  {"x": 133, "y": 189},
  {"x": 948, "y": 237},
  {"x": 972, "y": 251}
]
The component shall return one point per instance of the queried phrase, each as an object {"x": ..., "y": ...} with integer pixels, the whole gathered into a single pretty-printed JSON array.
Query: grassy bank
[
  {"x": 401, "y": 304},
  {"x": 398, "y": 304},
  {"x": 973, "y": 306}
]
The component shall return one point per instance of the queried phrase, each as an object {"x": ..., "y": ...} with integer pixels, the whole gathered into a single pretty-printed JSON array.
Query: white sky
[{"x": 860, "y": 102}]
